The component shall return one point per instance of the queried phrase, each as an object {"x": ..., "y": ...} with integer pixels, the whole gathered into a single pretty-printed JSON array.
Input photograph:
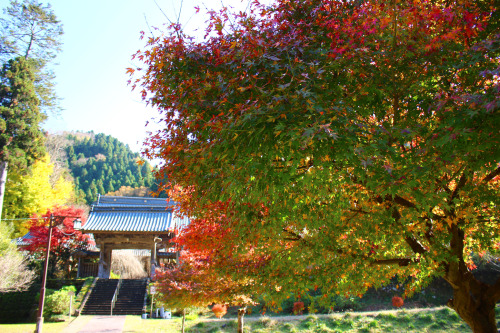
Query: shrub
[
  {"x": 219, "y": 310},
  {"x": 397, "y": 302},
  {"x": 87, "y": 283},
  {"x": 298, "y": 308},
  {"x": 57, "y": 302},
  {"x": 18, "y": 306}
]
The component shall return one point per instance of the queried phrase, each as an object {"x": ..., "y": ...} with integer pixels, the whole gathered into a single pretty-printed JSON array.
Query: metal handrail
[
  {"x": 145, "y": 303},
  {"x": 115, "y": 296}
]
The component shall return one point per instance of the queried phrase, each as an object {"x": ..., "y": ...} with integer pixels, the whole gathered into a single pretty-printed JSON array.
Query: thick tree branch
[
  {"x": 396, "y": 199},
  {"x": 460, "y": 185},
  {"x": 492, "y": 175},
  {"x": 415, "y": 245},
  {"x": 429, "y": 233},
  {"x": 358, "y": 211},
  {"x": 403, "y": 202},
  {"x": 395, "y": 261},
  {"x": 296, "y": 236}
]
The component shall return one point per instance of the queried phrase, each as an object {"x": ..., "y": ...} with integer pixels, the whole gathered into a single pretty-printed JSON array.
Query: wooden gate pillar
[{"x": 105, "y": 262}]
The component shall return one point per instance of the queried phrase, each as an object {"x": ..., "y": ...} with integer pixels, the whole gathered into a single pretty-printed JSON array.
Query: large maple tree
[{"x": 367, "y": 129}]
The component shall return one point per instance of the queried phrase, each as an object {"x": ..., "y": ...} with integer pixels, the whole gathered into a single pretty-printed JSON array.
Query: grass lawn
[
  {"x": 48, "y": 327},
  {"x": 435, "y": 320}
]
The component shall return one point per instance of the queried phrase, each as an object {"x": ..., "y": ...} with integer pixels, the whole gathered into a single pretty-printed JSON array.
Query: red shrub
[
  {"x": 219, "y": 310},
  {"x": 397, "y": 302},
  {"x": 298, "y": 308}
]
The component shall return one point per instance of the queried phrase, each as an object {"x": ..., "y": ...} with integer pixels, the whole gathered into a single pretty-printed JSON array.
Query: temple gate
[{"x": 133, "y": 223}]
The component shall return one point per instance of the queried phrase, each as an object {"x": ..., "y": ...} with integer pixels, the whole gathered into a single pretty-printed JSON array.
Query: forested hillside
[{"x": 101, "y": 164}]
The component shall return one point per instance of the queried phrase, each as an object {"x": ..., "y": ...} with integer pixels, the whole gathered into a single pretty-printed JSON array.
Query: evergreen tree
[{"x": 21, "y": 138}]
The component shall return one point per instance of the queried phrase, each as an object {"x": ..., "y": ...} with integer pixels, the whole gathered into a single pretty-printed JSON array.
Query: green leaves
[
  {"x": 364, "y": 130},
  {"x": 21, "y": 141}
]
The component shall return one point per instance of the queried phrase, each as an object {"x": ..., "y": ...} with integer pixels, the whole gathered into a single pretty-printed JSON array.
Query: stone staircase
[
  {"x": 99, "y": 301},
  {"x": 130, "y": 299}
]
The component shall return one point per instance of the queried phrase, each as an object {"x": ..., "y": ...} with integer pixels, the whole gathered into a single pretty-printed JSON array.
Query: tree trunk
[
  {"x": 183, "y": 319},
  {"x": 477, "y": 310},
  {"x": 241, "y": 313},
  {"x": 473, "y": 300},
  {"x": 3, "y": 180}
]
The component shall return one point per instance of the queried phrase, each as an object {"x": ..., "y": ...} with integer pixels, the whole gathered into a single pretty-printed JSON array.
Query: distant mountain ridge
[{"x": 100, "y": 164}]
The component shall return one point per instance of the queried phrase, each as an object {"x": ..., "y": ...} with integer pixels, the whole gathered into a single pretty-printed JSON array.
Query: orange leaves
[
  {"x": 385, "y": 21},
  {"x": 219, "y": 310},
  {"x": 298, "y": 308},
  {"x": 397, "y": 302}
]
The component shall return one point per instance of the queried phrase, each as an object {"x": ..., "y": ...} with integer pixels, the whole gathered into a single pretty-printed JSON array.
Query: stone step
[{"x": 130, "y": 297}]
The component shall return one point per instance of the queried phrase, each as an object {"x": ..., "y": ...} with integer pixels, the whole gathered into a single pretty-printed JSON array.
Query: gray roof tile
[{"x": 133, "y": 214}]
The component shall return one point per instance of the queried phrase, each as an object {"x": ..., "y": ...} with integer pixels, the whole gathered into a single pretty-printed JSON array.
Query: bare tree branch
[{"x": 14, "y": 273}]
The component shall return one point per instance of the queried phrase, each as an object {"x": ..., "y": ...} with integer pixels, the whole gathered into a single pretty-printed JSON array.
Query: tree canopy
[
  {"x": 65, "y": 241},
  {"x": 31, "y": 30},
  {"x": 367, "y": 129},
  {"x": 34, "y": 192}
]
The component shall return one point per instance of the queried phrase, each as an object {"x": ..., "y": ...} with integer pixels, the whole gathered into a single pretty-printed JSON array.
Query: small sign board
[
  {"x": 152, "y": 290},
  {"x": 71, "y": 293}
]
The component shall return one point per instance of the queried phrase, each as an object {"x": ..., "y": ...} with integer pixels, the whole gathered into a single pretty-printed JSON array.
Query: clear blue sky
[{"x": 99, "y": 39}]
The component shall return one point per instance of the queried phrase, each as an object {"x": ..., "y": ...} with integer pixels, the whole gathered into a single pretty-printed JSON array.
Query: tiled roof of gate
[
  {"x": 24, "y": 240},
  {"x": 133, "y": 214}
]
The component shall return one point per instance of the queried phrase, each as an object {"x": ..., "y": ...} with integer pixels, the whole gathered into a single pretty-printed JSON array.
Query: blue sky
[{"x": 99, "y": 39}]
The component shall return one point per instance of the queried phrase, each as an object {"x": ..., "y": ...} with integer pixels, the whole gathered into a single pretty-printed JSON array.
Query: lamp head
[{"x": 77, "y": 224}]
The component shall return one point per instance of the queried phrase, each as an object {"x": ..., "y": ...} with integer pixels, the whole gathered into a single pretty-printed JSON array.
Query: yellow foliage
[
  {"x": 34, "y": 194},
  {"x": 41, "y": 193}
]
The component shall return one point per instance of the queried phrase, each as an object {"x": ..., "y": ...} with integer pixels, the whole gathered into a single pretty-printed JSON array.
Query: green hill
[{"x": 102, "y": 164}]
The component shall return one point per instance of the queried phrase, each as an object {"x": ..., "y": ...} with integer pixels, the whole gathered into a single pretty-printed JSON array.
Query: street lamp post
[
  {"x": 154, "y": 260},
  {"x": 41, "y": 301}
]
